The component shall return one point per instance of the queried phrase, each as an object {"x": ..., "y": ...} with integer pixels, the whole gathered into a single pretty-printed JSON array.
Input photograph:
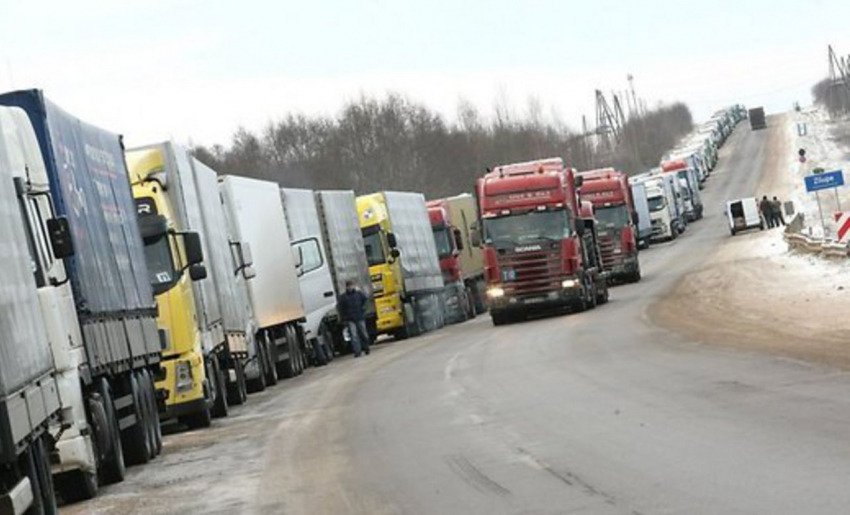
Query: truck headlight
[
  {"x": 184, "y": 381},
  {"x": 570, "y": 283},
  {"x": 495, "y": 292}
]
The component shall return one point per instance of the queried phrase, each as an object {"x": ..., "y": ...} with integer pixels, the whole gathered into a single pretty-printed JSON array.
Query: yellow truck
[
  {"x": 202, "y": 366},
  {"x": 403, "y": 265}
]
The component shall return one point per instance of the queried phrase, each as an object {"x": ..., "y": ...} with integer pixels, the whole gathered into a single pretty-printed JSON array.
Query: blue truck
[{"x": 94, "y": 294}]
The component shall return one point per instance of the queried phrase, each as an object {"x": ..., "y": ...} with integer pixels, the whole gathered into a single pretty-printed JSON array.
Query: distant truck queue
[{"x": 142, "y": 286}]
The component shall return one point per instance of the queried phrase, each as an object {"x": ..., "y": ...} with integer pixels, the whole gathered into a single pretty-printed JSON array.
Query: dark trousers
[{"x": 359, "y": 336}]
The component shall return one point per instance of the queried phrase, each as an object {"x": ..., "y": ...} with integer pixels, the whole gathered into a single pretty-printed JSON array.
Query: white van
[{"x": 743, "y": 214}]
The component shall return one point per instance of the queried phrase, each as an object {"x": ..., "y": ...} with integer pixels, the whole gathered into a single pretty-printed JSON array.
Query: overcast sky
[{"x": 195, "y": 70}]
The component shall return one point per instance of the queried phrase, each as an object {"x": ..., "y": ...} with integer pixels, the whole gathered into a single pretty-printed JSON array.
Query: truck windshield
[
  {"x": 373, "y": 246},
  {"x": 527, "y": 227},
  {"x": 615, "y": 216},
  {"x": 443, "y": 241},
  {"x": 657, "y": 203},
  {"x": 162, "y": 273}
]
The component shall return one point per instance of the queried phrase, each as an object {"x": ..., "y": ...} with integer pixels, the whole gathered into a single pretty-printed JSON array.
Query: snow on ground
[
  {"x": 754, "y": 294},
  {"x": 822, "y": 151}
]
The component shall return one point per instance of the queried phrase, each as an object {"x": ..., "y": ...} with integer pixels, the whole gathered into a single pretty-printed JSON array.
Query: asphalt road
[{"x": 599, "y": 412}]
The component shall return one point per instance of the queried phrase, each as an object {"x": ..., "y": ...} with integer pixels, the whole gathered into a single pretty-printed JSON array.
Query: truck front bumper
[
  {"x": 623, "y": 268},
  {"x": 540, "y": 301},
  {"x": 455, "y": 306},
  {"x": 390, "y": 312}
]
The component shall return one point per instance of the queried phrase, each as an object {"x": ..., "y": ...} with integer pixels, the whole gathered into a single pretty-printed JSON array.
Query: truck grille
[
  {"x": 531, "y": 273},
  {"x": 656, "y": 227},
  {"x": 607, "y": 246}
]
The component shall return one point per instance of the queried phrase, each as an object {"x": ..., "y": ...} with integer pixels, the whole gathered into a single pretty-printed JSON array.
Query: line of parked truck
[{"x": 141, "y": 286}]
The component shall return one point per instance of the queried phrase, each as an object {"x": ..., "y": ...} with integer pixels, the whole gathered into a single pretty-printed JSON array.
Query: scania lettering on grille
[{"x": 528, "y": 248}]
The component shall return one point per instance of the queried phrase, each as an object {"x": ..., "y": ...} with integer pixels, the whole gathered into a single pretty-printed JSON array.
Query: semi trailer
[{"x": 94, "y": 290}]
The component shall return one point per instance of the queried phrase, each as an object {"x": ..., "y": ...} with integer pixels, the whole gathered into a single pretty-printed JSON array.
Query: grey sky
[{"x": 196, "y": 69}]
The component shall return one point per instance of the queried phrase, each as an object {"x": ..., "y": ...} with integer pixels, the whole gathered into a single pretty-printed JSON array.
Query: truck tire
[
  {"x": 237, "y": 392},
  {"x": 272, "y": 375},
  {"x": 76, "y": 486},
  {"x": 38, "y": 471},
  {"x": 602, "y": 295},
  {"x": 326, "y": 339},
  {"x": 220, "y": 407},
  {"x": 501, "y": 318},
  {"x": 199, "y": 420},
  {"x": 258, "y": 384},
  {"x": 113, "y": 468},
  {"x": 135, "y": 439}
]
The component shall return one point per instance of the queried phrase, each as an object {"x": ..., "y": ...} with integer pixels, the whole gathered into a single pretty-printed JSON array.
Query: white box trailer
[
  {"x": 258, "y": 217},
  {"x": 644, "y": 222}
]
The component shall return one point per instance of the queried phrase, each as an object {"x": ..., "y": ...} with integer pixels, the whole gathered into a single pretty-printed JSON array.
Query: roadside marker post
[
  {"x": 825, "y": 181},
  {"x": 842, "y": 221}
]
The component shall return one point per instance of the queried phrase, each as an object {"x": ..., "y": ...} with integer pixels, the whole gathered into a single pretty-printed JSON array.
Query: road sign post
[{"x": 824, "y": 181}]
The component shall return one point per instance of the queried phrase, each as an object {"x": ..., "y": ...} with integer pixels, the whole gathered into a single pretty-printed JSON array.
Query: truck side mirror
[
  {"x": 194, "y": 250},
  {"x": 197, "y": 272},
  {"x": 395, "y": 253},
  {"x": 635, "y": 218},
  {"x": 391, "y": 240},
  {"x": 580, "y": 228},
  {"x": 249, "y": 273},
  {"x": 60, "y": 237},
  {"x": 579, "y": 181},
  {"x": 458, "y": 239}
]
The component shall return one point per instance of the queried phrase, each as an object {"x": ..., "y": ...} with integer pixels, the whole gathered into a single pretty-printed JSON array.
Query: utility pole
[{"x": 634, "y": 102}]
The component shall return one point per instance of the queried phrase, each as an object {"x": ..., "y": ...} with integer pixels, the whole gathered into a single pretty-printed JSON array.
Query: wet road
[{"x": 599, "y": 412}]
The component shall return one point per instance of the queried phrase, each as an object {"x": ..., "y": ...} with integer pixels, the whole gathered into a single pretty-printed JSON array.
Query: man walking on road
[
  {"x": 766, "y": 212},
  {"x": 352, "y": 310},
  {"x": 777, "y": 212}
]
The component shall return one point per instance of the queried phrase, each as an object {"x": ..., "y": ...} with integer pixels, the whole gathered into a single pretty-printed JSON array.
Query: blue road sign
[{"x": 823, "y": 181}]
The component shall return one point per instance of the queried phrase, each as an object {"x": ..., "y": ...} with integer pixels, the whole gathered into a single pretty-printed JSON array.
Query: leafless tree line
[{"x": 395, "y": 143}]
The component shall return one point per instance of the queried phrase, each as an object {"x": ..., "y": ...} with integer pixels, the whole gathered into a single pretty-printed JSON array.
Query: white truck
[
  {"x": 256, "y": 212},
  {"x": 99, "y": 313},
  {"x": 29, "y": 393},
  {"x": 313, "y": 268},
  {"x": 665, "y": 205}
]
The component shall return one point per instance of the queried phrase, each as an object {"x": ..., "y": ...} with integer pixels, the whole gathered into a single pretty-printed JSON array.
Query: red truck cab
[
  {"x": 447, "y": 240},
  {"x": 609, "y": 192},
  {"x": 534, "y": 254}
]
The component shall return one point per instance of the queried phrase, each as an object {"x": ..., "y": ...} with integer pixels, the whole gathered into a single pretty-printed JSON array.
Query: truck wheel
[
  {"x": 199, "y": 420},
  {"x": 220, "y": 407},
  {"x": 603, "y": 295},
  {"x": 112, "y": 469},
  {"x": 236, "y": 392},
  {"x": 500, "y": 318},
  {"x": 272, "y": 376},
  {"x": 76, "y": 485},
  {"x": 289, "y": 367},
  {"x": 300, "y": 351},
  {"x": 135, "y": 439},
  {"x": 326, "y": 339},
  {"x": 38, "y": 471},
  {"x": 258, "y": 384}
]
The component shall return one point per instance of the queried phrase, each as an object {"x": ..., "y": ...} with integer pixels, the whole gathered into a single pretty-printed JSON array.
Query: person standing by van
[
  {"x": 352, "y": 311},
  {"x": 766, "y": 212},
  {"x": 777, "y": 211}
]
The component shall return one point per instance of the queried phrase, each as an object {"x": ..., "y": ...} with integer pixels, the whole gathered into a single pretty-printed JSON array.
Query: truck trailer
[
  {"x": 175, "y": 191},
  {"x": 688, "y": 180},
  {"x": 533, "y": 245},
  {"x": 644, "y": 219},
  {"x": 403, "y": 264},
  {"x": 757, "y": 120},
  {"x": 257, "y": 216},
  {"x": 608, "y": 191},
  {"x": 346, "y": 255},
  {"x": 71, "y": 182},
  {"x": 453, "y": 219}
]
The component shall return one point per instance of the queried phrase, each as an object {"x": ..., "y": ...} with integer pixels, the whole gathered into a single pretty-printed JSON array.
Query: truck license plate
[
  {"x": 509, "y": 275},
  {"x": 534, "y": 300}
]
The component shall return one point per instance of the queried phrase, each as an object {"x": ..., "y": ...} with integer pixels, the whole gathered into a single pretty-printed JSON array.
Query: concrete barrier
[{"x": 798, "y": 241}]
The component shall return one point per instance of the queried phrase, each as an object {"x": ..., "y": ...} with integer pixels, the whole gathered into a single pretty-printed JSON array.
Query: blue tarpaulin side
[{"x": 90, "y": 185}]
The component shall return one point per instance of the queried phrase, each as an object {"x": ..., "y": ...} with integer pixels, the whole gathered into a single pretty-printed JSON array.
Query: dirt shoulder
[{"x": 752, "y": 294}]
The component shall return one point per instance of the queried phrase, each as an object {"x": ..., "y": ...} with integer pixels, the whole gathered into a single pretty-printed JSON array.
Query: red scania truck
[
  {"x": 609, "y": 192},
  {"x": 534, "y": 251}
]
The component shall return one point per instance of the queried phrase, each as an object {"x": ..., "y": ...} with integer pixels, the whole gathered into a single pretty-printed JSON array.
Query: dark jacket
[{"x": 352, "y": 306}]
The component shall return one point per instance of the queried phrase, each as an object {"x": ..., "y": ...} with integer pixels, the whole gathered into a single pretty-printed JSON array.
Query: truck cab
[
  {"x": 689, "y": 185},
  {"x": 608, "y": 191},
  {"x": 174, "y": 260},
  {"x": 662, "y": 210},
  {"x": 449, "y": 242},
  {"x": 533, "y": 247},
  {"x": 382, "y": 256}
]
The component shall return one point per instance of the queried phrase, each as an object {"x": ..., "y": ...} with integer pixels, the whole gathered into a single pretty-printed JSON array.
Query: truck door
[{"x": 315, "y": 281}]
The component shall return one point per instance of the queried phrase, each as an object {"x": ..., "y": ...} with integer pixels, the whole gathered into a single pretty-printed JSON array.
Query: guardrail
[{"x": 826, "y": 248}]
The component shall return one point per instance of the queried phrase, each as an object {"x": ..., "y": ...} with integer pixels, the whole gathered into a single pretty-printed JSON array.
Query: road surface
[{"x": 598, "y": 413}]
